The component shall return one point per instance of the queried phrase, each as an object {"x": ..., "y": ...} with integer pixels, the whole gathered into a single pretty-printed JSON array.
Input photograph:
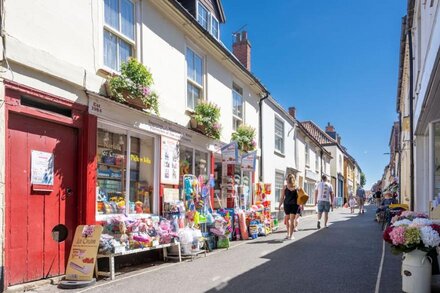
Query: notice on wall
[
  {"x": 248, "y": 161},
  {"x": 42, "y": 169},
  {"x": 170, "y": 194},
  {"x": 82, "y": 258},
  {"x": 169, "y": 161},
  {"x": 230, "y": 153}
]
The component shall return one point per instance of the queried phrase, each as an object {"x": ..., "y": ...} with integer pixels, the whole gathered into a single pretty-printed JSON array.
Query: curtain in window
[
  {"x": 127, "y": 18},
  {"x": 110, "y": 50},
  {"x": 124, "y": 51},
  {"x": 111, "y": 13}
]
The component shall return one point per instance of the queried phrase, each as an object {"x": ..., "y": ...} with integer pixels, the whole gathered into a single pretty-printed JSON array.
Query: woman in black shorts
[{"x": 289, "y": 198}]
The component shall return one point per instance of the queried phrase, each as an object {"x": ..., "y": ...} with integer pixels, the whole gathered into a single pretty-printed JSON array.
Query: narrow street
[{"x": 345, "y": 257}]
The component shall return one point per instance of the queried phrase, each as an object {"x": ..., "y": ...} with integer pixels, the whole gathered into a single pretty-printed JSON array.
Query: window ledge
[
  {"x": 105, "y": 72},
  {"x": 189, "y": 112},
  {"x": 278, "y": 153}
]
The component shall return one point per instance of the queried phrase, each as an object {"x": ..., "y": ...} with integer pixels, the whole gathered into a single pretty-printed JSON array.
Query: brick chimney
[
  {"x": 330, "y": 130},
  {"x": 292, "y": 112},
  {"x": 242, "y": 49}
]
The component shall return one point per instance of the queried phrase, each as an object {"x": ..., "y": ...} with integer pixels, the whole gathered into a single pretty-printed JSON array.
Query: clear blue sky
[{"x": 335, "y": 61}]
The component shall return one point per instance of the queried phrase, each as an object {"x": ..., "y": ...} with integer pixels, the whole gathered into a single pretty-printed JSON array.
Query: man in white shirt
[{"x": 324, "y": 199}]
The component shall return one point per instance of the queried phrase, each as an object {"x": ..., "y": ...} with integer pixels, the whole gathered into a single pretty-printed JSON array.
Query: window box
[
  {"x": 206, "y": 119},
  {"x": 133, "y": 87}
]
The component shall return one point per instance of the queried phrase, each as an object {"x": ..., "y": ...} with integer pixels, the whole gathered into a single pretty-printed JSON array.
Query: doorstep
[{"x": 34, "y": 285}]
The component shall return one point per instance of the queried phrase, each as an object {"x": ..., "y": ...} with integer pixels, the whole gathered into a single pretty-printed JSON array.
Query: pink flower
[
  {"x": 398, "y": 235},
  {"x": 146, "y": 91},
  {"x": 254, "y": 143}
]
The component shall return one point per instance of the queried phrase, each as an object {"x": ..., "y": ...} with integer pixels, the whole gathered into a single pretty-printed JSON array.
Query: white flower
[
  {"x": 419, "y": 222},
  {"x": 429, "y": 236},
  {"x": 405, "y": 222}
]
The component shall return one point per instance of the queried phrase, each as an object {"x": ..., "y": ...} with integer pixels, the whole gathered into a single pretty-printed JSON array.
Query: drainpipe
[
  {"x": 260, "y": 132},
  {"x": 399, "y": 163},
  {"x": 321, "y": 161},
  {"x": 411, "y": 117}
]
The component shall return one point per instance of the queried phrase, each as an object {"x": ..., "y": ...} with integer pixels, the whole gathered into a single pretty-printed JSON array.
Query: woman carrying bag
[{"x": 289, "y": 198}]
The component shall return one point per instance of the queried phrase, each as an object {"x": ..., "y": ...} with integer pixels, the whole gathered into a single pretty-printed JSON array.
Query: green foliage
[
  {"x": 134, "y": 82},
  {"x": 363, "y": 179},
  {"x": 207, "y": 114},
  {"x": 245, "y": 138}
]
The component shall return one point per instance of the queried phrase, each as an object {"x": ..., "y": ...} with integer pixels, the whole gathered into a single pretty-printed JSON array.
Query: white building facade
[{"x": 56, "y": 58}]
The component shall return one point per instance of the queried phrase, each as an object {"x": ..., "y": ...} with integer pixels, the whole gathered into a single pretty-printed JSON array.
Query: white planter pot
[{"x": 416, "y": 272}]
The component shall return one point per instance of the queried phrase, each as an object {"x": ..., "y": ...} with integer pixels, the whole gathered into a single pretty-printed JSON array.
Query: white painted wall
[
  {"x": 426, "y": 45},
  {"x": 273, "y": 160}
]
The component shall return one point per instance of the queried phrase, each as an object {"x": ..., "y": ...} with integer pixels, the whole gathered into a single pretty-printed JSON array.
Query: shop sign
[
  {"x": 82, "y": 258},
  {"x": 42, "y": 168},
  {"x": 169, "y": 161},
  {"x": 248, "y": 161},
  {"x": 230, "y": 153}
]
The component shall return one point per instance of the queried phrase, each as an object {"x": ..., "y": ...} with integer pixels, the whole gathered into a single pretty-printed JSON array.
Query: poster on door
[
  {"x": 82, "y": 258},
  {"x": 42, "y": 168},
  {"x": 169, "y": 160}
]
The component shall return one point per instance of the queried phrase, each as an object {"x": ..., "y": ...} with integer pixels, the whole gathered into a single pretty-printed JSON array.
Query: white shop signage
[{"x": 111, "y": 110}]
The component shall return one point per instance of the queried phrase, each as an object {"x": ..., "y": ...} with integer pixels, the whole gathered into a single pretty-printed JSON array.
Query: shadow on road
[{"x": 343, "y": 258}]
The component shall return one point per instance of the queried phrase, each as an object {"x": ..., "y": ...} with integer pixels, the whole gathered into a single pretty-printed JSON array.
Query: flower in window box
[
  {"x": 206, "y": 119},
  {"x": 133, "y": 86},
  {"x": 245, "y": 138}
]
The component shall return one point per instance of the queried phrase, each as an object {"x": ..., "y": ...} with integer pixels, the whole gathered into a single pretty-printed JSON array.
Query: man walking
[
  {"x": 324, "y": 199},
  {"x": 360, "y": 194}
]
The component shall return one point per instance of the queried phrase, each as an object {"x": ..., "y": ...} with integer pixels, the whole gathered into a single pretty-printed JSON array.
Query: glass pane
[
  {"x": 190, "y": 96},
  {"x": 186, "y": 160},
  {"x": 201, "y": 161},
  {"x": 197, "y": 96},
  {"x": 279, "y": 183},
  {"x": 111, "y": 13},
  {"x": 437, "y": 159},
  {"x": 110, "y": 50},
  {"x": 127, "y": 18},
  {"x": 141, "y": 175},
  {"x": 198, "y": 69},
  {"x": 214, "y": 27},
  {"x": 125, "y": 52},
  {"x": 237, "y": 104},
  {"x": 111, "y": 156},
  {"x": 190, "y": 64},
  {"x": 203, "y": 16}
]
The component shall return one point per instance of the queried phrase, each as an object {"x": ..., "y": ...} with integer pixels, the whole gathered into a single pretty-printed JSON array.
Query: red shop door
[{"x": 36, "y": 219}]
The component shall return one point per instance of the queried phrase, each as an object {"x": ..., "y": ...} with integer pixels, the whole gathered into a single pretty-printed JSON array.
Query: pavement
[{"x": 346, "y": 257}]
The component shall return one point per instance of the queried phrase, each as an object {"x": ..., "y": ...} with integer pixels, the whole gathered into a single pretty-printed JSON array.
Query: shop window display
[
  {"x": 201, "y": 163},
  {"x": 186, "y": 160},
  {"x": 112, "y": 174},
  {"x": 141, "y": 175}
]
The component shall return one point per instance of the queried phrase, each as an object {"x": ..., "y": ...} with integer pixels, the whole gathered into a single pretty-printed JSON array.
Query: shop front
[{"x": 140, "y": 157}]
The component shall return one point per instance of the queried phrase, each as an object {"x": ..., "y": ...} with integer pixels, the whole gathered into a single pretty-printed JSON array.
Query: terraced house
[{"x": 56, "y": 107}]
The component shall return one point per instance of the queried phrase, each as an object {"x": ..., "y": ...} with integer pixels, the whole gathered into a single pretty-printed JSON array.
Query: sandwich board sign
[{"x": 82, "y": 258}]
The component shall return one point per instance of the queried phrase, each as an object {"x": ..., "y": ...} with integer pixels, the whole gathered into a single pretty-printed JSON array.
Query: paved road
[{"x": 342, "y": 258}]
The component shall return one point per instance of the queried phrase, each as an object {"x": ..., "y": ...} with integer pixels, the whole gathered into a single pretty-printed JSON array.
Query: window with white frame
[
  {"x": 237, "y": 106},
  {"x": 215, "y": 27},
  {"x": 279, "y": 135},
  {"x": 194, "y": 78},
  {"x": 309, "y": 188},
  {"x": 203, "y": 15},
  {"x": 279, "y": 184},
  {"x": 207, "y": 20},
  {"x": 119, "y": 32},
  {"x": 307, "y": 151}
]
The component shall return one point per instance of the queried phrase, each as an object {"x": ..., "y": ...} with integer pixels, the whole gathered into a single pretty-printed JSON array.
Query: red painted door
[{"x": 32, "y": 253}]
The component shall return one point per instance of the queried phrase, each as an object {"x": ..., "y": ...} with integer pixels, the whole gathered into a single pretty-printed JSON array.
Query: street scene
[{"x": 219, "y": 145}]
